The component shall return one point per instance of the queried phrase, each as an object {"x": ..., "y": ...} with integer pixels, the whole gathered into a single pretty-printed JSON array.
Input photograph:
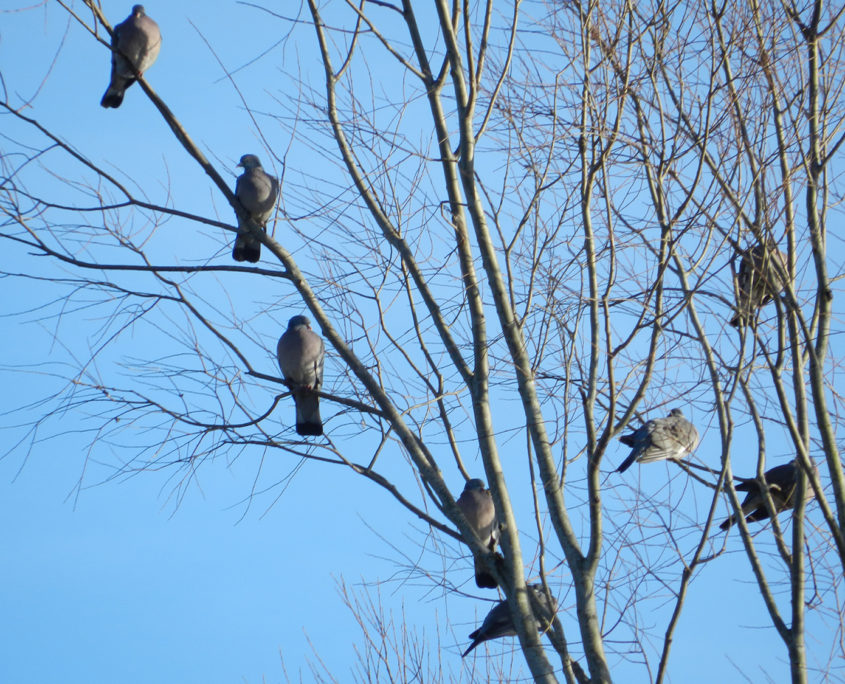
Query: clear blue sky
[{"x": 115, "y": 581}]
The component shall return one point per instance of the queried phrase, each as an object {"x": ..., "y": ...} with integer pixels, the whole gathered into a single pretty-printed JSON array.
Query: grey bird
[
  {"x": 499, "y": 622},
  {"x": 476, "y": 503},
  {"x": 301, "y": 353},
  {"x": 134, "y": 47},
  {"x": 673, "y": 437},
  {"x": 758, "y": 281},
  {"x": 781, "y": 481},
  {"x": 257, "y": 192}
]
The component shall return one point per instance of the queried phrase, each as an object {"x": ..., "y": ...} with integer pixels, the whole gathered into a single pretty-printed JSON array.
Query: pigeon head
[
  {"x": 138, "y": 10},
  {"x": 475, "y": 483},
  {"x": 250, "y": 161},
  {"x": 296, "y": 321}
]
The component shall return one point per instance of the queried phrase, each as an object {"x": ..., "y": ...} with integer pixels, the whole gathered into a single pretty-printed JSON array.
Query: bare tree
[{"x": 524, "y": 236}]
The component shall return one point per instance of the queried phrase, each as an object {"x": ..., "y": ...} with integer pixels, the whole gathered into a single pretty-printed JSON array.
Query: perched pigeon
[
  {"x": 135, "y": 44},
  {"x": 257, "y": 193},
  {"x": 300, "y": 353},
  {"x": 758, "y": 281},
  {"x": 499, "y": 622},
  {"x": 781, "y": 480},
  {"x": 671, "y": 438},
  {"x": 476, "y": 504}
]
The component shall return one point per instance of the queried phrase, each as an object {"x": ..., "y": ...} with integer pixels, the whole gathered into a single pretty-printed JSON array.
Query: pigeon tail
[
  {"x": 113, "y": 97},
  {"x": 309, "y": 429},
  {"x": 472, "y": 645},
  {"x": 246, "y": 250},
  {"x": 753, "y": 509},
  {"x": 759, "y": 514},
  {"x": 483, "y": 578},
  {"x": 308, "y": 421},
  {"x": 627, "y": 463},
  {"x": 756, "y": 516},
  {"x": 247, "y": 246}
]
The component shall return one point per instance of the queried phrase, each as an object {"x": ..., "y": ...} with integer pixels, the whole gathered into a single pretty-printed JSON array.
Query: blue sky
[
  {"x": 140, "y": 578},
  {"x": 115, "y": 582}
]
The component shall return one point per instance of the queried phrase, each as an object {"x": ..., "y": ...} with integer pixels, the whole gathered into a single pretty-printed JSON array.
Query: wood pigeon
[
  {"x": 257, "y": 192},
  {"x": 135, "y": 44},
  {"x": 781, "y": 481},
  {"x": 476, "y": 503},
  {"x": 758, "y": 281},
  {"x": 301, "y": 353},
  {"x": 499, "y": 622},
  {"x": 673, "y": 438}
]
